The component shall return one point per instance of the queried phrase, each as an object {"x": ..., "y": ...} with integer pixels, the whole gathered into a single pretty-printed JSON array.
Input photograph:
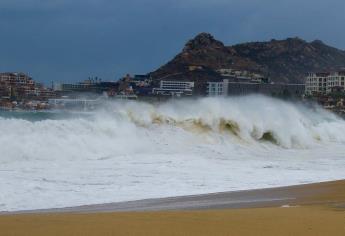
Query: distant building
[
  {"x": 16, "y": 79},
  {"x": 228, "y": 88},
  {"x": 324, "y": 83},
  {"x": 20, "y": 86},
  {"x": 215, "y": 89},
  {"x": 242, "y": 76},
  {"x": 174, "y": 88},
  {"x": 84, "y": 86},
  {"x": 17, "y": 85},
  {"x": 141, "y": 80},
  {"x": 87, "y": 86}
]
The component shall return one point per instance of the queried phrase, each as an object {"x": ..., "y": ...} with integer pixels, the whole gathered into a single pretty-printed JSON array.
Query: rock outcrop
[{"x": 281, "y": 60}]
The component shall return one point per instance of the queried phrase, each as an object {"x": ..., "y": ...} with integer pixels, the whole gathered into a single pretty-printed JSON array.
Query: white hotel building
[
  {"x": 324, "y": 83},
  {"x": 174, "y": 88},
  {"x": 215, "y": 89}
]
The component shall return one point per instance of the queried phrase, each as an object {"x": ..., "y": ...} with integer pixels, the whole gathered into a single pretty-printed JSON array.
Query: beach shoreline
[
  {"x": 312, "y": 209},
  {"x": 252, "y": 198}
]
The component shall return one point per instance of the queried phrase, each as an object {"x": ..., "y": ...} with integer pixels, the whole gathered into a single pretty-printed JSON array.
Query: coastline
[
  {"x": 252, "y": 198},
  {"x": 312, "y": 209}
]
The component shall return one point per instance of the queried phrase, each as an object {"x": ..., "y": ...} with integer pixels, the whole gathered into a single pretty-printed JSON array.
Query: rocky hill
[{"x": 280, "y": 60}]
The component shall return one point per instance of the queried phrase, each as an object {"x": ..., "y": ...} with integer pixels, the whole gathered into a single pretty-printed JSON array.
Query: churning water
[{"x": 134, "y": 150}]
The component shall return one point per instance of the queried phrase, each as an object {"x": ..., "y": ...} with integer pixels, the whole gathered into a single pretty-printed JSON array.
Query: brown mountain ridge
[{"x": 281, "y": 60}]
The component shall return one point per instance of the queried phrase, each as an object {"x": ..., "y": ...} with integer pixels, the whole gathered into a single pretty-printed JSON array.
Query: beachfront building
[
  {"x": 90, "y": 86},
  {"x": 174, "y": 88},
  {"x": 242, "y": 76},
  {"x": 215, "y": 89},
  {"x": 85, "y": 86},
  {"x": 316, "y": 83},
  {"x": 16, "y": 79},
  {"x": 18, "y": 85},
  {"x": 141, "y": 81},
  {"x": 20, "y": 90},
  {"x": 230, "y": 88},
  {"x": 324, "y": 83}
]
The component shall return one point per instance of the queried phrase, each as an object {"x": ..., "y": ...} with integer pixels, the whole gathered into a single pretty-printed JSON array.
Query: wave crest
[
  {"x": 251, "y": 119},
  {"x": 122, "y": 128}
]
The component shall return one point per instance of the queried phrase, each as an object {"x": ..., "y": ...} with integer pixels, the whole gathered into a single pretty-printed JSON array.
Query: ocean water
[{"x": 134, "y": 150}]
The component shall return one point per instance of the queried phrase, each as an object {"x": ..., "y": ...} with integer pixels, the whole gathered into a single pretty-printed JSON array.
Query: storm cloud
[{"x": 71, "y": 40}]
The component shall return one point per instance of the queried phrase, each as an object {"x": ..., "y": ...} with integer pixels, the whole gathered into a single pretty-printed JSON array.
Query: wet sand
[{"x": 316, "y": 209}]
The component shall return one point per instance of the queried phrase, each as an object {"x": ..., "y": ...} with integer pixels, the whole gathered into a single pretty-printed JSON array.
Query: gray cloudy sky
[{"x": 69, "y": 40}]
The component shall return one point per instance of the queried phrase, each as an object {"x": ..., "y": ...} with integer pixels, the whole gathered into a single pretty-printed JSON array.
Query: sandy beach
[{"x": 315, "y": 209}]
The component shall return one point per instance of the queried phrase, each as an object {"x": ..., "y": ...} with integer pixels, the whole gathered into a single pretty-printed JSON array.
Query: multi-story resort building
[
  {"x": 174, "y": 88},
  {"x": 16, "y": 78},
  {"x": 20, "y": 86},
  {"x": 244, "y": 76},
  {"x": 324, "y": 83},
  {"x": 90, "y": 86},
  {"x": 215, "y": 89},
  {"x": 229, "y": 87}
]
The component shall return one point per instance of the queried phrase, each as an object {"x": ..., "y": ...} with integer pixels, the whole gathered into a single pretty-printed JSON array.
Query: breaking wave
[
  {"x": 249, "y": 119},
  {"x": 134, "y": 150},
  {"x": 131, "y": 127}
]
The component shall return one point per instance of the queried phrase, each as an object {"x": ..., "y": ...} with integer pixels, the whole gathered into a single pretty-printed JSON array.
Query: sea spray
[
  {"x": 130, "y": 150},
  {"x": 252, "y": 118}
]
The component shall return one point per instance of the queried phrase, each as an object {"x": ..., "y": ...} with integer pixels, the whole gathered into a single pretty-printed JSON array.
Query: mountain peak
[
  {"x": 285, "y": 60},
  {"x": 318, "y": 42},
  {"x": 202, "y": 41},
  {"x": 295, "y": 39}
]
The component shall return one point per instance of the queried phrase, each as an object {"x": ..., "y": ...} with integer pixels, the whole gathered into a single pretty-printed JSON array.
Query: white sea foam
[{"x": 133, "y": 150}]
